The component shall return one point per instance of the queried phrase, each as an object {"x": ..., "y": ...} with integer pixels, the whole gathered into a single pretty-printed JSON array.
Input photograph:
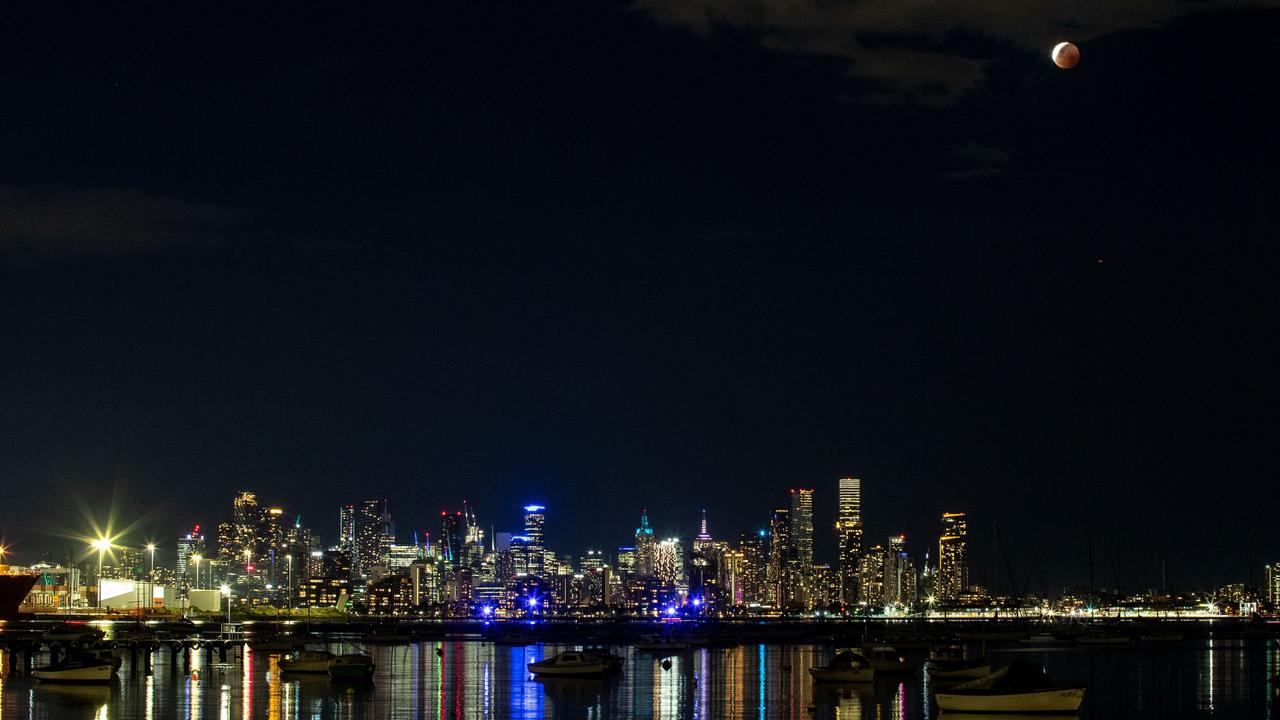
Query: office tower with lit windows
[
  {"x": 899, "y": 574},
  {"x": 669, "y": 564},
  {"x": 452, "y": 536},
  {"x": 849, "y": 536},
  {"x": 534, "y": 520},
  {"x": 361, "y": 531},
  {"x": 190, "y": 544},
  {"x": 871, "y": 579},
  {"x": 781, "y": 555},
  {"x": 646, "y": 547},
  {"x": 802, "y": 527},
  {"x": 754, "y": 576},
  {"x": 246, "y": 537},
  {"x": 953, "y": 556},
  {"x": 1272, "y": 591}
]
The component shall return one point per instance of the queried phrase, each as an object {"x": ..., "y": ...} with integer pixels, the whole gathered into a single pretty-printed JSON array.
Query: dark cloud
[
  {"x": 905, "y": 49},
  {"x": 974, "y": 160},
  {"x": 54, "y": 223}
]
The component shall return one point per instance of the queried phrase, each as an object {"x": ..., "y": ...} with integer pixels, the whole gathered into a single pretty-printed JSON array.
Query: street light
[
  {"x": 101, "y": 545},
  {"x": 151, "y": 576}
]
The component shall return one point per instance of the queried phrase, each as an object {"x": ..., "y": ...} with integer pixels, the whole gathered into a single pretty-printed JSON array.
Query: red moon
[{"x": 1065, "y": 55}]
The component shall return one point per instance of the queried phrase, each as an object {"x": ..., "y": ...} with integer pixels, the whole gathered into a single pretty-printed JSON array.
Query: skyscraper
[
  {"x": 190, "y": 544},
  {"x": 899, "y": 574},
  {"x": 646, "y": 547},
  {"x": 849, "y": 536},
  {"x": 534, "y": 519},
  {"x": 452, "y": 532},
  {"x": 781, "y": 555},
  {"x": 953, "y": 556},
  {"x": 246, "y": 537},
  {"x": 802, "y": 527},
  {"x": 360, "y": 533}
]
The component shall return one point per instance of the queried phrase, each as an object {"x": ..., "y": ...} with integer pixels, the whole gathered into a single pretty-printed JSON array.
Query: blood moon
[{"x": 1065, "y": 55}]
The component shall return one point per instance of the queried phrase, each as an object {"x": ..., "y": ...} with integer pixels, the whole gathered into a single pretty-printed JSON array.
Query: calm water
[{"x": 1200, "y": 679}]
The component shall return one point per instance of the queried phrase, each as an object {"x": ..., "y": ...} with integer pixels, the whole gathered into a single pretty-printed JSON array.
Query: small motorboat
[
  {"x": 846, "y": 666},
  {"x": 307, "y": 661},
  {"x": 1021, "y": 687},
  {"x": 571, "y": 664},
  {"x": 355, "y": 666},
  {"x": 75, "y": 671},
  {"x": 886, "y": 659}
]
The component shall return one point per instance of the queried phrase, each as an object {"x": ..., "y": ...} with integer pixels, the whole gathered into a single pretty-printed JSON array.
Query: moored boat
[
  {"x": 307, "y": 661},
  {"x": 947, "y": 662},
  {"x": 73, "y": 671},
  {"x": 846, "y": 666},
  {"x": 571, "y": 664},
  {"x": 886, "y": 659},
  {"x": 1021, "y": 687},
  {"x": 355, "y": 666}
]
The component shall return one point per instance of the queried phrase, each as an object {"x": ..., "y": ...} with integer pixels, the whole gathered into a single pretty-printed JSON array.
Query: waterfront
[{"x": 1210, "y": 677}]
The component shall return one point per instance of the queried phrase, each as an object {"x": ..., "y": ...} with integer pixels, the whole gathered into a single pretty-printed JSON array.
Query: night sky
[{"x": 670, "y": 254}]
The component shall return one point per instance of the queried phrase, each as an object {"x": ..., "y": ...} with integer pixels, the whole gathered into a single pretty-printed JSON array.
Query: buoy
[
  {"x": 195, "y": 676},
  {"x": 439, "y": 652},
  {"x": 666, "y": 664}
]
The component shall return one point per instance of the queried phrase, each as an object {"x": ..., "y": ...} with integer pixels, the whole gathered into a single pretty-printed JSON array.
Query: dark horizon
[{"x": 623, "y": 255}]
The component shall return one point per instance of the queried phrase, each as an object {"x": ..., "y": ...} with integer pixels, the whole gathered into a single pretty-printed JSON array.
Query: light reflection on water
[{"x": 1225, "y": 677}]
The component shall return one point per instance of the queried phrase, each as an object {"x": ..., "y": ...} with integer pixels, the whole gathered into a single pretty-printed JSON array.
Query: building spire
[{"x": 704, "y": 535}]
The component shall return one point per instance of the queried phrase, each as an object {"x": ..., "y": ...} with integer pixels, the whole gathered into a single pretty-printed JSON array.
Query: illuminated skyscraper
[
  {"x": 953, "y": 556},
  {"x": 360, "y": 533},
  {"x": 646, "y": 547},
  {"x": 451, "y": 537},
  {"x": 849, "y": 536},
  {"x": 899, "y": 574},
  {"x": 802, "y": 527},
  {"x": 781, "y": 555},
  {"x": 533, "y": 522},
  {"x": 191, "y": 544},
  {"x": 246, "y": 537},
  {"x": 754, "y": 572}
]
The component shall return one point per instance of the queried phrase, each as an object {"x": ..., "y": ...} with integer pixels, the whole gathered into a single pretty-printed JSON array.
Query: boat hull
[
  {"x": 90, "y": 674},
  {"x": 1059, "y": 700},
  {"x": 826, "y": 675},
  {"x": 587, "y": 670}
]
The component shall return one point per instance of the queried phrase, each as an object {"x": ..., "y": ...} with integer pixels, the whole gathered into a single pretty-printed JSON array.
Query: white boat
[
  {"x": 1051, "y": 700},
  {"x": 846, "y": 666},
  {"x": 1020, "y": 687},
  {"x": 351, "y": 667},
  {"x": 307, "y": 661},
  {"x": 571, "y": 664},
  {"x": 886, "y": 659},
  {"x": 75, "y": 672}
]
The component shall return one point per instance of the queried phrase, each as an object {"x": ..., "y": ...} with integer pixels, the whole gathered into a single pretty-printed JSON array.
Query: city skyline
[{"x": 929, "y": 553}]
